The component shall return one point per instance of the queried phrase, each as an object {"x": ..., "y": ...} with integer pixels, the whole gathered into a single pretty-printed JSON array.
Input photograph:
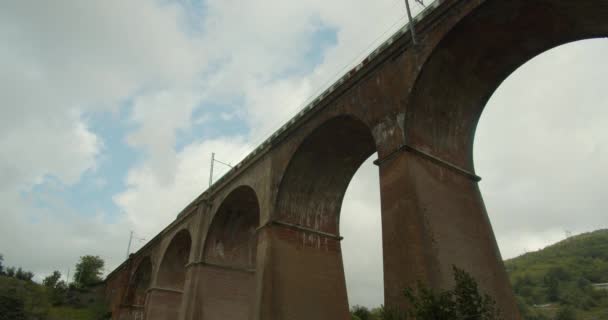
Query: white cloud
[
  {"x": 60, "y": 62},
  {"x": 360, "y": 225},
  {"x": 151, "y": 204},
  {"x": 160, "y": 115},
  {"x": 54, "y": 237}
]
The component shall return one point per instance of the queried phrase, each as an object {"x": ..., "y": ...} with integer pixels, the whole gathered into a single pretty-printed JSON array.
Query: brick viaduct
[{"x": 263, "y": 242}]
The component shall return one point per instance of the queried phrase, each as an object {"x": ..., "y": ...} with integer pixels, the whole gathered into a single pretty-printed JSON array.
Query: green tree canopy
[
  {"x": 24, "y": 275},
  {"x": 10, "y": 272},
  {"x": 361, "y": 312},
  {"x": 463, "y": 302},
  {"x": 52, "y": 280},
  {"x": 88, "y": 270}
]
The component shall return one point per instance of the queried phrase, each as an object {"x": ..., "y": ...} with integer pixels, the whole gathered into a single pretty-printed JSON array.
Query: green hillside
[{"x": 561, "y": 278}]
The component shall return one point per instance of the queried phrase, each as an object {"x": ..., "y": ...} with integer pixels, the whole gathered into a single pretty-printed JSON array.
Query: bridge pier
[
  {"x": 303, "y": 276},
  {"x": 163, "y": 304},
  {"x": 191, "y": 304},
  {"x": 226, "y": 292},
  {"x": 433, "y": 217}
]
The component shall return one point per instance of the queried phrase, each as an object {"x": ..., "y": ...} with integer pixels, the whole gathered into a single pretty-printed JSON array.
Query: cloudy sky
[{"x": 110, "y": 111}]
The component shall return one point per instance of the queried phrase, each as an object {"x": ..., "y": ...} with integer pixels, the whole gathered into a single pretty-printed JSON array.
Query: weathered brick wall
[
  {"x": 163, "y": 305},
  {"x": 226, "y": 294}
]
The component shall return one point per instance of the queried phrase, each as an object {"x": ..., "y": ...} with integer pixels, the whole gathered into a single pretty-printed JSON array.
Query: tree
[
  {"x": 88, "y": 270},
  {"x": 59, "y": 293},
  {"x": 361, "y": 312},
  {"x": 24, "y": 275},
  {"x": 462, "y": 302},
  {"x": 10, "y": 272},
  {"x": 51, "y": 280},
  {"x": 470, "y": 304},
  {"x": 1, "y": 265}
]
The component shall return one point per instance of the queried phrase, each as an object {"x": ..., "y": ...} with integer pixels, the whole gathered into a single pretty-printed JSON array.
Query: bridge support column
[
  {"x": 433, "y": 217},
  {"x": 300, "y": 275},
  {"x": 192, "y": 300},
  {"x": 163, "y": 304},
  {"x": 227, "y": 292}
]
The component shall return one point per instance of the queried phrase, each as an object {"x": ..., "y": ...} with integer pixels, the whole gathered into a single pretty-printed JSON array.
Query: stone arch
[
  {"x": 172, "y": 270},
  {"x": 318, "y": 174},
  {"x": 231, "y": 237},
  {"x": 229, "y": 257},
  {"x": 139, "y": 283},
  {"x": 471, "y": 61},
  {"x": 305, "y": 226},
  {"x": 165, "y": 299}
]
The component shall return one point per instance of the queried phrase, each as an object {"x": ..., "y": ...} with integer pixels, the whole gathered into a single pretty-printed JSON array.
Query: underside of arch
[
  {"x": 477, "y": 55},
  {"x": 231, "y": 238},
  {"x": 316, "y": 179},
  {"x": 140, "y": 282},
  {"x": 172, "y": 271}
]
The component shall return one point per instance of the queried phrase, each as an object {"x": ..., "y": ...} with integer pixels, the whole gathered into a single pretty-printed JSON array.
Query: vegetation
[
  {"x": 464, "y": 302},
  {"x": 23, "y": 299},
  {"x": 88, "y": 271},
  {"x": 557, "y": 282}
]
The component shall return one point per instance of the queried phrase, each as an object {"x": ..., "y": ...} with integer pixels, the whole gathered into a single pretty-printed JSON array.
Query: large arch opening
[
  {"x": 172, "y": 271},
  {"x": 309, "y": 205},
  {"x": 229, "y": 257},
  {"x": 464, "y": 71},
  {"x": 166, "y": 300},
  {"x": 545, "y": 183}
]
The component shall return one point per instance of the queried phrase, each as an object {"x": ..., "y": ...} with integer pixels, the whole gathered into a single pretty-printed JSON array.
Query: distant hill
[{"x": 562, "y": 278}]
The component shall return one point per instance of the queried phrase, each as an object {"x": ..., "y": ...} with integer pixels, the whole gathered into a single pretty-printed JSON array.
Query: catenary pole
[{"x": 411, "y": 22}]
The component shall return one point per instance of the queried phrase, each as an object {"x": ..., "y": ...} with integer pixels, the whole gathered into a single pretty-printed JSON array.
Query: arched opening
[
  {"x": 139, "y": 284},
  {"x": 230, "y": 257},
  {"x": 477, "y": 55},
  {"x": 318, "y": 174},
  {"x": 172, "y": 272},
  {"x": 308, "y": 214},
  {"x": 166, "y": 299},
  {"x": 458, "y": 78},
  {"x": 546, "y": 181}
]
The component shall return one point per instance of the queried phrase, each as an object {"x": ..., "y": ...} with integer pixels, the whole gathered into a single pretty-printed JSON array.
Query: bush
[
  {"x": 11, "y": 307},
  {"x": 565, "y": 313},
  {"x": 462, "y": 302},
  {"x": 361, "y": 312}
]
